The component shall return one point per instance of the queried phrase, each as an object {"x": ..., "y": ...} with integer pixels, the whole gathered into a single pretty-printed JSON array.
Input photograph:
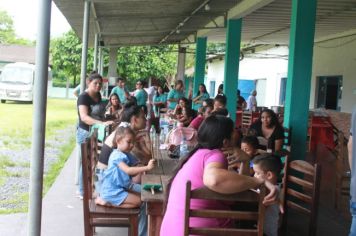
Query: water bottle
[
  {"x": 152, "y": 132},
  {"x": 183, "y": 148}
]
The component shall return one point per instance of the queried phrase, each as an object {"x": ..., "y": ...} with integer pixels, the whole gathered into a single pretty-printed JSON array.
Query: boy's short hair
[
  {"x": 268, "y": 162},
  {"x": 251, "y": 140},
  {"x": 221, "y": 99}
]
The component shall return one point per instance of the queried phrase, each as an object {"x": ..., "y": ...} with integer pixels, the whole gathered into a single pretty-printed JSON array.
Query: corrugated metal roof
[{"x": 136, "y": 22}]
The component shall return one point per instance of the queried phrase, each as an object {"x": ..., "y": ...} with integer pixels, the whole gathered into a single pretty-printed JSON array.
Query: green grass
[
  {"x": 15, "y": 134},
  {"x": 16, "y": 121}
]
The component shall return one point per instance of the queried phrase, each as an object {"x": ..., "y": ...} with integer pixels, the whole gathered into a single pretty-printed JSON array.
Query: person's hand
[
  {"x": 235, "y": 154},
  {"x": 272, "y": 196},
  {"x": 109, "y": 122},
  {"x": 151, "y": 164}
]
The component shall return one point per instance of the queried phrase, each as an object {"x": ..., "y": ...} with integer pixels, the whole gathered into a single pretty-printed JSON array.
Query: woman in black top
[
  {"x": 269, "y": 127},
  {"x": 89, "y": 109}
]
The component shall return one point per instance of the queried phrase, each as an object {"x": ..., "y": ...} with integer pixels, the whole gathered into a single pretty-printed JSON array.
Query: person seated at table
[
  {"x": 114, "y": 108},
  {"x": 220, "y": 90},
  {"x": 205, "y": 112},
  {"x": 201, "y": 95},
  {"x": 268, "y": 167},
  {"x": 117, "y": 188},
  {"x": 221, "y": 112},
  {"x": 242, "y": 162},
  {"x": 134, "y": 117},
  {"x": 220, "y": 102},
  {"x": 209, "y": 167},
  {"x": 121, "y": 90},
  {"x": 269, "y": 128},
  {"x": 140, "y": 94}
]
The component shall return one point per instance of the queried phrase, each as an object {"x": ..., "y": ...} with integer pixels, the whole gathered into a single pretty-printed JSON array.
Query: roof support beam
[{"x": 239, "y": 11}]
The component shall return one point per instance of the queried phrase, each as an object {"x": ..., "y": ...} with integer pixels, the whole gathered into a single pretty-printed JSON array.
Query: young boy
[{"x": 268, "y": 166}]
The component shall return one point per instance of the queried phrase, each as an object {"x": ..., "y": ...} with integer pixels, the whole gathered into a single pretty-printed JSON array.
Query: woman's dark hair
[
  {"x": 129, "y": 111},
  {"x": 251, "y": 140},
  {"x": 113, "y": 95},
  {"x": 221, "y": 112},
  {"x": 209, "y": 102},
  {"x": 220, "y": 88},
  {"x": 185, "y": 100},
  {"x": 93, "y": 76},
  {"x": 274, "y": 119},
  {"x": 198, "y": 93},
  {"x": 157, "y": 92},
  {"x": 221, "y": 98},
  {"x": 211, "y": 135},
  {"x": 178, "y": 82}
]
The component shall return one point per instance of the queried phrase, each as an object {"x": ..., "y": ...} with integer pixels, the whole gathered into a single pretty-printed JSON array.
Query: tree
[
  {"x": 66, "y": 57},
  {"x": 135, "y": 62},
  {"x": 7, "y": 31}
]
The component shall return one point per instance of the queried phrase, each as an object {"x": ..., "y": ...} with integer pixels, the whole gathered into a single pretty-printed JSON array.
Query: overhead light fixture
[
  {"x": 207, "y": 7},
  {"x": 181, "y": 24},
  {"x": 178, "y": 31}
]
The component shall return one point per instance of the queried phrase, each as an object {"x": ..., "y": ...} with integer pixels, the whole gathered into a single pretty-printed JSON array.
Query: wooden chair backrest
[
  {"x": 89, "y": 161},
  {"x": 246, "y": 121},
  {"x": 301, "y": 191},
  {"x": 205, "y": 193}
]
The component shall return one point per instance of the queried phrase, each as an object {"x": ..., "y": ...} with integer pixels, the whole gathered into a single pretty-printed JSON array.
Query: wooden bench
[{"x": 101, "y": 216}]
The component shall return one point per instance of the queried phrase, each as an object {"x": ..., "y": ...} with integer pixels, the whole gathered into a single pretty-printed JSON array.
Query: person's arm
[
  {"x": 349, "y": 149},
  {"x": 76, "y": 91},
  {"x": 170, "y": 97},
  {"x": 196, "y": 99},
  {"x": 135, "y": 170},
  {"x": 278, "y": 144},
  {"x": 84, "y": 116},
  {"x": 218, "y": 179}
]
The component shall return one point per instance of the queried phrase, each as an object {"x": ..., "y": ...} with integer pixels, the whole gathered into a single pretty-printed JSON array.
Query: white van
[{"x": 16, "y": 82}]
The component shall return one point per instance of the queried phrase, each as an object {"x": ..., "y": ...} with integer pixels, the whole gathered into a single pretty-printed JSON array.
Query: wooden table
[{"x": 159, "y": 175}]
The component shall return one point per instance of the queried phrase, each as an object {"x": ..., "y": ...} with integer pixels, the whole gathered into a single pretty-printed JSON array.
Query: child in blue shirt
[{"x": 117, "y": 187}]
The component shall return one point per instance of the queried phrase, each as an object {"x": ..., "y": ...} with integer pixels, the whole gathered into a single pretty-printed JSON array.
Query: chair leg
[{"x": 133, "y": 229}]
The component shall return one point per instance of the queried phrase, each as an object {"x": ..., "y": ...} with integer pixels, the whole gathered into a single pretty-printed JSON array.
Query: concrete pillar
[
  {"x": 200, "y": 57},
  {"x": 95, "y": 63},
  {"x": 112, "y": 73},
  {"x": 83, "y": 70},
  {"x": 231, "y": 72},
  {"x": 39, "y": 118},
  {"x": 299, "y": 74},
  {"x": 181, "y": 63}
]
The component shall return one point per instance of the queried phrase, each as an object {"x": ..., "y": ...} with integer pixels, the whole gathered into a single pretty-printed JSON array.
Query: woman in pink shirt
[{"x": 206, "y": 166}]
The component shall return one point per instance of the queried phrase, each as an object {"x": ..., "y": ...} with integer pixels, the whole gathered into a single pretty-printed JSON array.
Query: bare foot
[{"x": 100, "y": 201}]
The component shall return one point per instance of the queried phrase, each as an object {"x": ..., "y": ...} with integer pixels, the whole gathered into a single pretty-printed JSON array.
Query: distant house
[{"x": 16, "y": 53}]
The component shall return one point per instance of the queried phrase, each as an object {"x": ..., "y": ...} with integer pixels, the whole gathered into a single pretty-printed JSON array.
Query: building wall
[
  {"x": 336, "y": 57},
  {"x": 252, "y": 68}
]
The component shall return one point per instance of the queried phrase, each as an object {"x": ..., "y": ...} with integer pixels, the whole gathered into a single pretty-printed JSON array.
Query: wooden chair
[
  {"x": 302, "y": 193},
  {"x": 101, "y": 216},
  {"x": 246, "y": 121},
  {"x": 204, "y": 193},
  {"x": 342, "y": 170}
]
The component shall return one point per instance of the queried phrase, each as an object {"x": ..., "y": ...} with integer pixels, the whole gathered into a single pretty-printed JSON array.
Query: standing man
[
  {"x": 351, "y": 146},
  {"x": 121, "y": 90},
  {"x": 252, "y": 102}
]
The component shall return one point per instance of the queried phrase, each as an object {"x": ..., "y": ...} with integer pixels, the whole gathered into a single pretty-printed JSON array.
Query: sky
[{"x": 24, "y": 14}]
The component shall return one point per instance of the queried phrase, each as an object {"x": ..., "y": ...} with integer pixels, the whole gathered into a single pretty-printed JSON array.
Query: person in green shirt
[
  {"x": 121, "y": 90},
  {"x": 202, "y": 95},
  {"x": 175, "y": 94},
  {"x": 140, "y": 94},
  {"x": 159, "y": 101}
]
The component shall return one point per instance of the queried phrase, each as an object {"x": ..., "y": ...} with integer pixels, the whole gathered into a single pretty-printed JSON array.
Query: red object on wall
[{"x": 321, "y": 131}]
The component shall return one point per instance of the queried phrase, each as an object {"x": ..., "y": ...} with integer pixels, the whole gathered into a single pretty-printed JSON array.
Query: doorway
[{"x": 329, "y": 92}]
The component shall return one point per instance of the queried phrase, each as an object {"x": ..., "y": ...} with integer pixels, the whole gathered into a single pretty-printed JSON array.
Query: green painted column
[
  {"x": 232, "y": 55},
  {"x": 200, "y": 57},
  {"x": 299, "y": 74}
]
